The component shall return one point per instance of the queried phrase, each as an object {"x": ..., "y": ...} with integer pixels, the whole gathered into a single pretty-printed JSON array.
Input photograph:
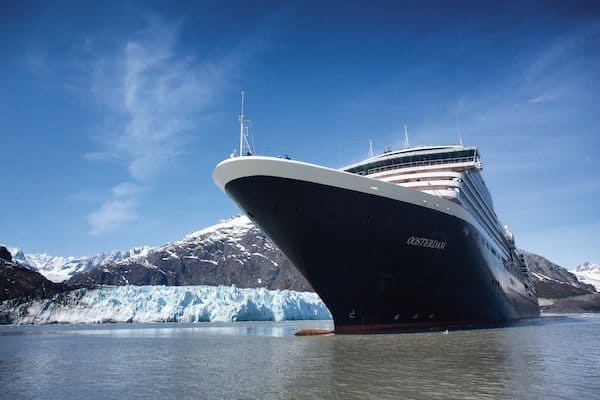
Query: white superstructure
[
  {"x": 437, "y": 170},
  {"x": 450, "y": 172}
]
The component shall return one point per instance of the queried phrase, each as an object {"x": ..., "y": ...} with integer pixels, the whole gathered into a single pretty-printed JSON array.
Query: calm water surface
[{"x": 552, "y": 357}]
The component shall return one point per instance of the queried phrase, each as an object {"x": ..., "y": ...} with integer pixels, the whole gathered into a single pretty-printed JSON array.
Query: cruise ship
[{"x": 408, "y": 239}]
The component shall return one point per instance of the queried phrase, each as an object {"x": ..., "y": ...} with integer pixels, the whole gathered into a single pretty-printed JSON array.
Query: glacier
[{"x": 145, "y": 304}]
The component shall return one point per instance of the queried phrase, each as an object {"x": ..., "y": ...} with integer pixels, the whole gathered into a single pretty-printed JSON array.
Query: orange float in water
[{"x": 313, "y": 332}]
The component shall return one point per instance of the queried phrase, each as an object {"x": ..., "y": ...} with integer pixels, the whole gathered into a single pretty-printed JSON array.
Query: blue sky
[{"x": 113, "y": 115}]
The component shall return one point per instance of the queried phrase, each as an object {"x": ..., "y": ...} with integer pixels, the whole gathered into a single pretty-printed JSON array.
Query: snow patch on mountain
[
  {"x": 59, "y": 269},
  {"x": 588, "y": 273},
  {"x": 231, "y": 231},
  {"x": 142, "y": 304}
]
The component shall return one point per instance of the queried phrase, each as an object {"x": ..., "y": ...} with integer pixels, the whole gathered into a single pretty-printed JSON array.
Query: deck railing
[{"x": 408, "y": 164}]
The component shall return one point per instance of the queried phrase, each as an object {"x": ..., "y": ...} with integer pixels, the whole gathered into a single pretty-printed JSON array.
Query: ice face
[{"x": 167, "y": 304}]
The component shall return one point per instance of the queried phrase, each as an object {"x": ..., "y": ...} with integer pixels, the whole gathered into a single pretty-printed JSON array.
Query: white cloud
[
  {"x": 545, "y": 97},
  {"x": 126, "y": 189},
  {"x": 160, "y": 96},
  {"x": 156, "y": 96},
  {"x": 117, "y": 211},
  {"x": 111, "y": 215}
]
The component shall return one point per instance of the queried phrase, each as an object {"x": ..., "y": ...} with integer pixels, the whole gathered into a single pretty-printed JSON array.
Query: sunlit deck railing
[{"x": 421, "y": 163}]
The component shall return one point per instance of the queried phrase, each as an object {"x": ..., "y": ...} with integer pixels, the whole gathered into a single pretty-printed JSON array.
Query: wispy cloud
[
  {"x": 113, "y": 213},
  {"x": 540, "y": 100},
  {"x": 156, "y": 93},
  {"x": 159, "y": 95}
]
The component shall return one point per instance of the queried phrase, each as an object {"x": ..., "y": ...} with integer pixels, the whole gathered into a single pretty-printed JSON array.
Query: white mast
[
  {"x": 244, "y": 130},
  {"x": 370, "y": 148},
  {"x": 241, "y": 118},
  {"x": 406, "y": 143}
]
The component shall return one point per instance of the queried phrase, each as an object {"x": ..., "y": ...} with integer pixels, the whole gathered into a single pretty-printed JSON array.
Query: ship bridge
[{"x": 437, "y": 170}]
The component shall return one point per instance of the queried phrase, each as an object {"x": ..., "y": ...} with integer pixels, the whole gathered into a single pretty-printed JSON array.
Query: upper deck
[{"x": 417, "y": 157}]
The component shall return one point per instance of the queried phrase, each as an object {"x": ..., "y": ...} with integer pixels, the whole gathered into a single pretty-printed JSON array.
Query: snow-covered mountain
[
  {"x": 588, "y": 273},
  {"x": 59, "y": 269},
  {"x": 166, "y": 304},
  {"x": 232, "y": 252},
  {"x": 17, "y": 281},
  {"x": 553, "y": 281}
]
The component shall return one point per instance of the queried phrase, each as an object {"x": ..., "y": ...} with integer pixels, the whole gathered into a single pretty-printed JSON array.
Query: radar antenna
[{"x": 245, "y": 148}]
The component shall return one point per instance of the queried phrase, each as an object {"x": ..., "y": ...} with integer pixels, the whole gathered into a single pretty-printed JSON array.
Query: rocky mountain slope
[
  {"x": 553, "y": 281},
  {"x": 233, "y": 252}
]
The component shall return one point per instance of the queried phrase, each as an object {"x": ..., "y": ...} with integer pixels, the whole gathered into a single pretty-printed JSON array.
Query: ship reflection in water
[{"x": 550, "y": 356}]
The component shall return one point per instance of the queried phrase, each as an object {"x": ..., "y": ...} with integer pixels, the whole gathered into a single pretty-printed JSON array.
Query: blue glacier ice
[{"x": 143, "y": 304}]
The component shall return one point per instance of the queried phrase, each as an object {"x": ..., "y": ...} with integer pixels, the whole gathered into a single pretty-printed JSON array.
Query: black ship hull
[{"x": 380, "y": 263}]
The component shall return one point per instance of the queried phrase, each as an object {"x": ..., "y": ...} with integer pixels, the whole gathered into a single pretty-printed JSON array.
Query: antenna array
[{"x": 245, "y": 124}]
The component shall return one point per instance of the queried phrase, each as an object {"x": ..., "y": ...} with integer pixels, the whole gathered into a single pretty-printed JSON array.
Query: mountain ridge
[
  {"x": 232, "y": 252},
  {"x": 59, "y": 269},
  {"x": 236, "y": 252}
]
